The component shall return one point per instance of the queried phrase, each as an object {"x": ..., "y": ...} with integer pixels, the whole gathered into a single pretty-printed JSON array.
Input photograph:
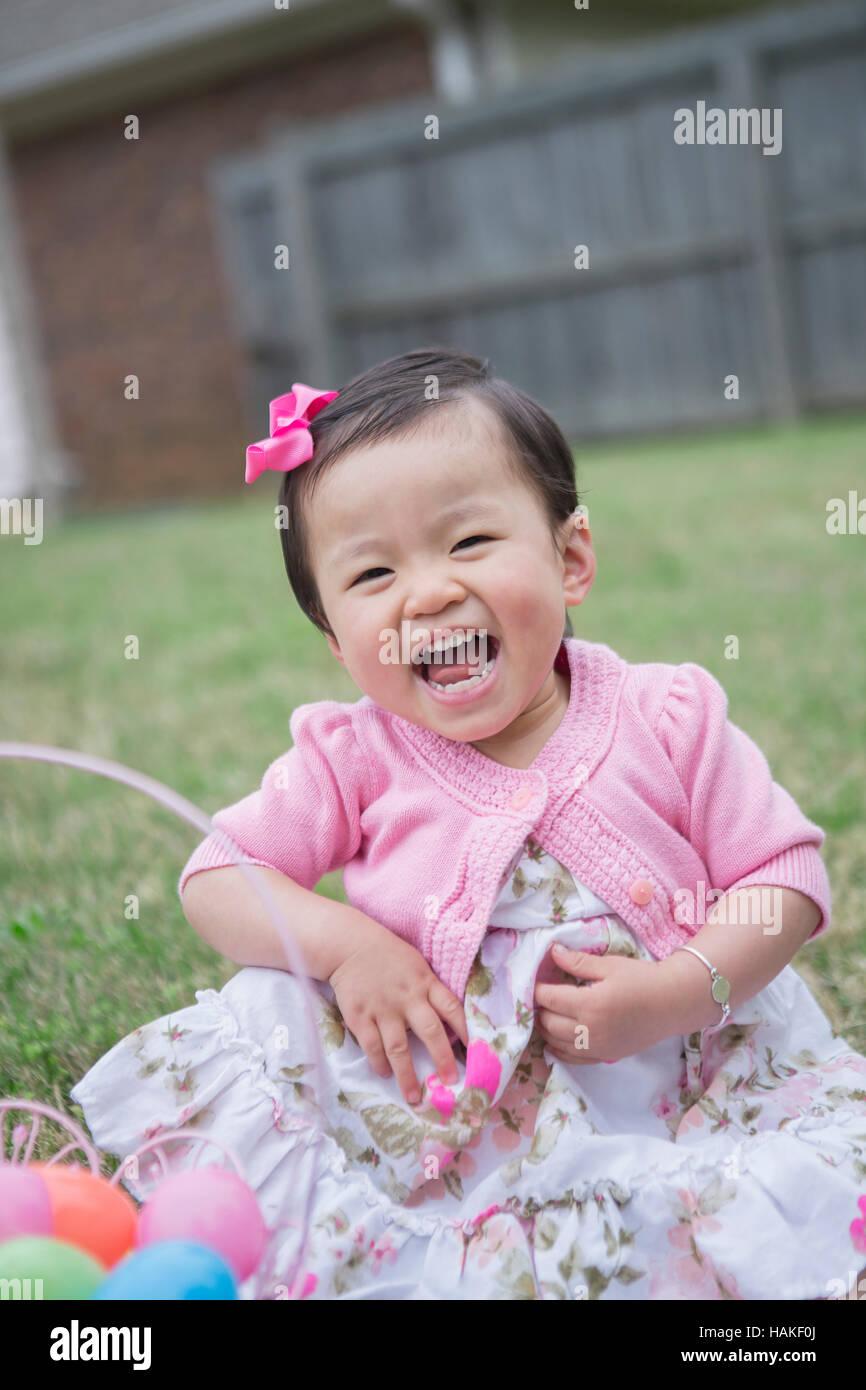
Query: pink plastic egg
[
  {"x": 25, "y": 1205},
  {"x": 211, "y": 1206}
]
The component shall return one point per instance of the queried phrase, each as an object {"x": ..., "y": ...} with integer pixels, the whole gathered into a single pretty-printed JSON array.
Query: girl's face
[{"x": 397, "y": 565}]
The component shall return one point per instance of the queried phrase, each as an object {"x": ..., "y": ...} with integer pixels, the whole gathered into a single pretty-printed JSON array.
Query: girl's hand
[
  {"x": 626, "y": 1008},
  {"x": 384, "y": 987}
]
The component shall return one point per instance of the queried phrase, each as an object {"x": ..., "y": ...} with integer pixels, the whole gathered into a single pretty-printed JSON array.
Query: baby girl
[{"x": 627, "y": 1099}]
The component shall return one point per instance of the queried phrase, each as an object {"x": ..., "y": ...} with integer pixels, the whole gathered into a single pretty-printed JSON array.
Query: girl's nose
[{"x": 430, "y": 594}]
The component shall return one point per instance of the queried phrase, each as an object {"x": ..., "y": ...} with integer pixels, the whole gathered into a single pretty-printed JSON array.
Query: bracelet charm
[{"x": 720, "y": 990}]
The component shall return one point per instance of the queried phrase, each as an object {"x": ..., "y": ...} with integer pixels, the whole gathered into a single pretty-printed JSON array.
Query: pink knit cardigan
[{"x": 644, "y": 790}]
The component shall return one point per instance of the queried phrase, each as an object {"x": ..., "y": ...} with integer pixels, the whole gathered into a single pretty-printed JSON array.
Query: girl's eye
[
  {"x": 380, "y": 569},
  {"x": 367, "y": 573},
  {"x": 472, "y": 538}
]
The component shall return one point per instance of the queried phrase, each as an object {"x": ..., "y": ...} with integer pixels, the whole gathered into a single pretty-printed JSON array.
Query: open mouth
[{"x": 462, "y": 666}]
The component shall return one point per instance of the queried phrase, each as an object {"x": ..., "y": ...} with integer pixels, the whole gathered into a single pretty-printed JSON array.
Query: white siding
[
  {"x": 14, "y": 444},
  {"x": 30, "y": 463}
]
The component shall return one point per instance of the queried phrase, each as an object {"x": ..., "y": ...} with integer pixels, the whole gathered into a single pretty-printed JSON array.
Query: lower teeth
[{"x": 465, "y": 685}]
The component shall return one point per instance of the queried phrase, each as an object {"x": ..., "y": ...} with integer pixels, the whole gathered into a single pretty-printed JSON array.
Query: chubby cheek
[
  {"x": 524, "y": 599},
  {"x": 372, "y": 673}
]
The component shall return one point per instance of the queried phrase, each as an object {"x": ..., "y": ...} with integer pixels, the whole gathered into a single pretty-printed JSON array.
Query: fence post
[{"x": 774, "y": 317}]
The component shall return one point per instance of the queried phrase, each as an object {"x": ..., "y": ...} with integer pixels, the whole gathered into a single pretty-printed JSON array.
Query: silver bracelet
[{"x": 721, "y": 988}]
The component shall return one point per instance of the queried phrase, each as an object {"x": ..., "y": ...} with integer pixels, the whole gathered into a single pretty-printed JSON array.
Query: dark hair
[{"x": 391, "y": 399}]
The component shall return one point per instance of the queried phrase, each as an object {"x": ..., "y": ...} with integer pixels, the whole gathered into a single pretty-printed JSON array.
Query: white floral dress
[{"x": 731, "y": 1166}]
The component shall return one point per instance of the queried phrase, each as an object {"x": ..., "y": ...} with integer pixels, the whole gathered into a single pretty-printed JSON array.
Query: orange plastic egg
[{"x": 89, "y": 1212}]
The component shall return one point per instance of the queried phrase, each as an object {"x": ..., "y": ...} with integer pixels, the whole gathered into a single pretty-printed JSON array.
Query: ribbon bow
[{"x": 290, "y": 442}]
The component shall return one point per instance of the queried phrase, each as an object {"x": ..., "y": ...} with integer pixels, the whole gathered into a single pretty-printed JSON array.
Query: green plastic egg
[{"x": 40, "y": 1267}]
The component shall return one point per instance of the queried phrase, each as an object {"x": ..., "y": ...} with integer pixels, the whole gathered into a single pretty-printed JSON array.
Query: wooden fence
[{"x": 703, "y": 260}]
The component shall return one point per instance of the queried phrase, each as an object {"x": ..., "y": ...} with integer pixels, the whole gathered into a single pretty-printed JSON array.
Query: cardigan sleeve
[
  {"x": 304, "y": 819},
  {"x": 746, "y": 828}
]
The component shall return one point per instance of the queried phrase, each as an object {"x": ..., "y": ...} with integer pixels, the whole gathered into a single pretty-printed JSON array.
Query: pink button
[
  {"x": 641, "y": 891},
  {"x": 521, "y": 798}
]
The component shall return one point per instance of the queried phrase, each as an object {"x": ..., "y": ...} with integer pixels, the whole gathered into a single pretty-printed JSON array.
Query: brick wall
[{"x": 122, "y": 256}]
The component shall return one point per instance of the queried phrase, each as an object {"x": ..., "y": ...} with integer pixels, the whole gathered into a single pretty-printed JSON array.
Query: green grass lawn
[{"x": 696, "y": 539}]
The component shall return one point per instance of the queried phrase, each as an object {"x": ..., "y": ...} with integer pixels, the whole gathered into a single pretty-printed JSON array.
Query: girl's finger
[
  {"x": 396, "y": 1046},
  {"x": 580, "y": 964},
  {"x": 555, "y": 1027},
  {"x": 560, "y": 999},
  {"x": 579, "y": 1055},
  {"x": 370, "y": 1042},
  {"x": 428, "y": 1026},
  {"x": 572, "y": 1055},
  {"x": 448, "y": 1006}
]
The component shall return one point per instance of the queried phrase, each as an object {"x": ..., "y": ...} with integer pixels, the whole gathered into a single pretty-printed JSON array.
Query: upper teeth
[{"x": 442, "y": 644}]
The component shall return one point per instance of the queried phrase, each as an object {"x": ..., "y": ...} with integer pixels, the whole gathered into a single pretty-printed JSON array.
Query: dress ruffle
[{"x": 728, "y": 1165}]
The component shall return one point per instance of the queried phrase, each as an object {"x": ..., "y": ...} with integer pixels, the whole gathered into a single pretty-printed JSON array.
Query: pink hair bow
[{"x": 290, "y": 442}]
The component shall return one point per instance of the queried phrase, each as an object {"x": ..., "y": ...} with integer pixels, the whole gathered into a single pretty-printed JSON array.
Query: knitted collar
[{"x": 570, "y": 755}]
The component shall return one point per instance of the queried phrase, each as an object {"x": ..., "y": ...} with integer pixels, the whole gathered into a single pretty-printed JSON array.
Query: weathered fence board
[{"x": 704, "y": 260}]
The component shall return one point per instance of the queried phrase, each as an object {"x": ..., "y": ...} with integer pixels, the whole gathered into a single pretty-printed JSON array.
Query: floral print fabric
[{"x": 725, "y": 1166}]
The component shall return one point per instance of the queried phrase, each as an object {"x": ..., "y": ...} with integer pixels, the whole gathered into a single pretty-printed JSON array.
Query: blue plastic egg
[{"x": 170, "y": 1270}]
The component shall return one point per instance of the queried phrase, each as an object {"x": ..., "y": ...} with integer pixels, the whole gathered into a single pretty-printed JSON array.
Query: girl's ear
[
  {"x": 578, "y": 566},
  {"x": 335, "y": 648}
]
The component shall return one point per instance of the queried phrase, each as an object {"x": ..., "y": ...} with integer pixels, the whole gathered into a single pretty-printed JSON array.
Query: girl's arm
[
  {"x": 228, "y": 914},
  {"x": 749, "y": 954},
  {"x": 383, "y": 987}
]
